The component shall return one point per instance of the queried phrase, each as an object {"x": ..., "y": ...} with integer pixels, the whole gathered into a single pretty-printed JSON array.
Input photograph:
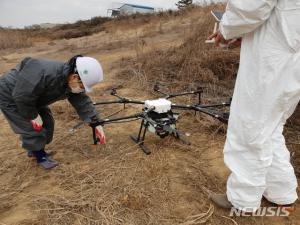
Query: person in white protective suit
[{"x": 266, "y": 94}]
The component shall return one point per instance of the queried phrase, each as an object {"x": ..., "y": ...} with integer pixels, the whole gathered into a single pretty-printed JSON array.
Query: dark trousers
[{"x": 31, "y": 139}]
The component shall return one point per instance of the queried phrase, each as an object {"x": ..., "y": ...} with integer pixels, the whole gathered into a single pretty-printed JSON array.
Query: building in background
[{"x": 129, "y": 9}]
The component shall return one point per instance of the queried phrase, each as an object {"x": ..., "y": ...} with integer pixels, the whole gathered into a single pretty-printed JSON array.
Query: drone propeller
[{"x": 115, "y": 93}]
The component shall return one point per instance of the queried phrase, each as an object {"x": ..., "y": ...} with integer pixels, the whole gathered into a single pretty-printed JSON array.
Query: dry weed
[
  {"x": 192, "y": 63},
  {"x": 14, "y": 39}
]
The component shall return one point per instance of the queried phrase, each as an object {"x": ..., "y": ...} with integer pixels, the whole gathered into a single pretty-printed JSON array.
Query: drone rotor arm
[
  {"x": 121, "y": 101},
  {"x": 223, "y": 104},
  {"x": 119, "y": 119},
  {"x": 222, "y": 116},
  {"x": 113, "y": 120},
  {"x": 184, "y": 93},
  {"x": 206, "y": 109}
]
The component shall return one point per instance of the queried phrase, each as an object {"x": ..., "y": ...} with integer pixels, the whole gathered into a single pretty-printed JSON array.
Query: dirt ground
[{"x": 116, "y": 183}]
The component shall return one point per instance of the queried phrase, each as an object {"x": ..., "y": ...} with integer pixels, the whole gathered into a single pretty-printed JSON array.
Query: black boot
[{"x": 43, "y": 160}]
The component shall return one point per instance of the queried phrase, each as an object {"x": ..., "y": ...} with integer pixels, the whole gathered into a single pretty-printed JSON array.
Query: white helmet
[{"x": 90, "y": 72}]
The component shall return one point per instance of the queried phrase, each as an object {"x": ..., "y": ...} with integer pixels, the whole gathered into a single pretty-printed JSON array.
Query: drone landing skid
[{"x": 140, "y": 139}]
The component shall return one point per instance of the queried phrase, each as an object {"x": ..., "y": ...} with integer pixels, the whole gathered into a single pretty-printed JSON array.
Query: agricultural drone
[{"x": 158, "y": 116}]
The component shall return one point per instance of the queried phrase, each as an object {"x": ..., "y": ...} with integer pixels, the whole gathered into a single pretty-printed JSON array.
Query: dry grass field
[{"x": 116, "y": 184}]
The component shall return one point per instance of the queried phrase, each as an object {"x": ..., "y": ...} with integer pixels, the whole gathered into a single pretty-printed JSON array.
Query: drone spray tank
[{"x": 161, "y": 114}]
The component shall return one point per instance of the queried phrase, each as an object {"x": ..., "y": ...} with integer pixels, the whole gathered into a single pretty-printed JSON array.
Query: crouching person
[{"x": 28, "y": 89}]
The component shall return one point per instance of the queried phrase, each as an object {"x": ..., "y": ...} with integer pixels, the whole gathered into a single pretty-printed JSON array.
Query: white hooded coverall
[{"x": 266, "y": 94}]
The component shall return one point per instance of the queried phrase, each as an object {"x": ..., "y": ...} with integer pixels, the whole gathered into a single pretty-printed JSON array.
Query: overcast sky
[{"x": 19, "y": 13}]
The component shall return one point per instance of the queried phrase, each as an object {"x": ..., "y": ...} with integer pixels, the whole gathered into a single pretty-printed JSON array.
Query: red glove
[
  {"x": 37, "y": 124},
  {"x": 100, "y": 135}
]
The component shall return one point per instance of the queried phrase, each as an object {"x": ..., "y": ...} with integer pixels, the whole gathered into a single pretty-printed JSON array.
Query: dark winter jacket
[{"x": 35, "y": 83}]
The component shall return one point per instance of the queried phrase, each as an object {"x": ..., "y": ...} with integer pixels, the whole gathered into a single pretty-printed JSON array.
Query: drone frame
[{"x": 210, "y": 110}]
